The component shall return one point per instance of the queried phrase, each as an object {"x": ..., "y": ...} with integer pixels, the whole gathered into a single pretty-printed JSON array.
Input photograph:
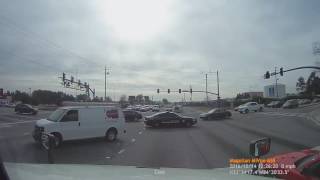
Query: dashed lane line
[{"x": 121, "y": 151}]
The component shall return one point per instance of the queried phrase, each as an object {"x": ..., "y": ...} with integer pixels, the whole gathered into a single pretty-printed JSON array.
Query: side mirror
[{"x": 260, "y": 147}]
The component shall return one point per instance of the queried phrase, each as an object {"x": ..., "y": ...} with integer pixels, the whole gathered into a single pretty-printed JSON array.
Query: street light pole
[
  {"x": 105, "y": 83},
  {"x": 218, "y": 97},
  {"x": 275, "y": 71}
]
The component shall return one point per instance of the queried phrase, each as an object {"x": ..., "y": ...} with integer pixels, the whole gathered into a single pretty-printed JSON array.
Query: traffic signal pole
[{"x": 267, "y": 75}]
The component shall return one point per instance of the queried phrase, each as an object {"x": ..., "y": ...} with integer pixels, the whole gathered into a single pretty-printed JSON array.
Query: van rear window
[{"x": 113, "y": 114}]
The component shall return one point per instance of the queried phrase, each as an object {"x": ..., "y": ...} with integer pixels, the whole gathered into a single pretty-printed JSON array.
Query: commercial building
[
  {"x": 252, "y": 94},
  {"x": 275, "y": 91}
]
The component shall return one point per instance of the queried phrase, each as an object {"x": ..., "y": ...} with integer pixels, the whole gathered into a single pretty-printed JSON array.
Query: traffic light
[
  {"x": 191, "y": 90},
  {"x": 158, "y": 91},
  {"x": 281, "y": 71},
  {"x": 179, "y": 90},
  {"x": 267, "y": 75},
  {"x": 63, "y": 76},
  {"x": 79, "y": 82},
  {"x": 168, "y": 91},
  {"x": 72, "y": 79}
]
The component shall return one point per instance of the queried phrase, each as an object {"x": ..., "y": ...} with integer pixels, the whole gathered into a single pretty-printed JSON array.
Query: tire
[
  {"x": 111, "y": 135},
  {"x": 57, "y": 139},
  {"x": 156, "y": 124},
  {"x": 246, "y": 111},
  {"x": 188, "y": 124}
]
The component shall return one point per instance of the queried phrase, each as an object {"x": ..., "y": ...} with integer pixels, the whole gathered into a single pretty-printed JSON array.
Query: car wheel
[
  {"x": 111, "y": 135},
  {"x": 188, "y": 124},
  {"x": 246, "y": 111},
  {"x": 57, "y": 139}
]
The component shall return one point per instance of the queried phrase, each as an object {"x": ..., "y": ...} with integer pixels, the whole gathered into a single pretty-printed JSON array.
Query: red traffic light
[{"x": 179, "y": 90}]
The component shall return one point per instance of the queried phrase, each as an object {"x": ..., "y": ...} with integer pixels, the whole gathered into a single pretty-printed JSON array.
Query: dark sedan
[
  {"x": 130, "y": 115},
  {"x": 216, "y": 114},
  {"x": 25, "y": 109},
  {"x": 168, "y": 118}
]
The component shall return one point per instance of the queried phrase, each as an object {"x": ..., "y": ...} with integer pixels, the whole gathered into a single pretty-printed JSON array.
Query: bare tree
[{"x": 301, "y": 85}]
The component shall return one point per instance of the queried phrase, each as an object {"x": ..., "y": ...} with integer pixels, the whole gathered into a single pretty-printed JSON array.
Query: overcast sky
[{"x": 150, "y": 44}]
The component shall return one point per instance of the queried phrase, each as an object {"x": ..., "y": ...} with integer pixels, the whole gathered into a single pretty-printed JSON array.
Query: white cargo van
[{"x": 70, "y": 123}]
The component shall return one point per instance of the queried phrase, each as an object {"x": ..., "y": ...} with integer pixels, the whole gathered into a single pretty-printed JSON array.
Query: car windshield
[
  {"x": 56, "y": 115},
  {"x": 100, "y": 78}
]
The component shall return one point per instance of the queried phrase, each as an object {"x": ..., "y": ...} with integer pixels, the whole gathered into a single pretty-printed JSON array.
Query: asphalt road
[{"x": 208, "y": 144}]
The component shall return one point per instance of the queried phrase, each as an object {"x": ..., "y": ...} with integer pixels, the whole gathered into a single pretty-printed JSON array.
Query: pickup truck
[{"x": 250, "y": 107}]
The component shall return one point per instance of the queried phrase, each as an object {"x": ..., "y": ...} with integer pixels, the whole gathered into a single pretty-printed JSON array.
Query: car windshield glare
[
  {"x": 212, "y": 110},
  {"x": 56, "y": 115}
]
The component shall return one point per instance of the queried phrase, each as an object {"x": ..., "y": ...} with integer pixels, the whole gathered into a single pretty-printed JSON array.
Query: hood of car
[
  {"x": 204, "y": 114},
  {"x": 290, "y": 158},
  {"x": 43, "y": 122},
  {"x": 26, "y": 171}
]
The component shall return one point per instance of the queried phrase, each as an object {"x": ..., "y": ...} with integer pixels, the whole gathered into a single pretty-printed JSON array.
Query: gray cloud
[{"x": 242, "y": 39}]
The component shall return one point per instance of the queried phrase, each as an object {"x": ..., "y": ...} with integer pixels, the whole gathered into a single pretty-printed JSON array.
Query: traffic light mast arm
[{"x": 302, "y": 67}]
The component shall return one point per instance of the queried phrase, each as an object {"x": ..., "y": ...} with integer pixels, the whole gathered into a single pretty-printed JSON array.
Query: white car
[
  {"x": 70, "y": 123},
  {"x": 250, "y": 107},
  {"x": 155, "y": 108}
]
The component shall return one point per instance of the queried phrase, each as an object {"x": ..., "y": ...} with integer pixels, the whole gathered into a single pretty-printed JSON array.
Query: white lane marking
[
  {"x": 20, "y": 122},
  {"x": 108, "y": 157},
  {"x": 314, "y": 120},
  {"x": 121, "y": 151},
  {"x": 284, "y": 114},
  {"x": 5, "y": 126},
  {"x": 140, "y": 132},
  {"x": 26, "y": 133},
  {"x": 133, "y": 140}
]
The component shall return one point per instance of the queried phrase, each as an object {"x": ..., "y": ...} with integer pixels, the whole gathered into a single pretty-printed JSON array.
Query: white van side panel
[{"x": 93, "y": 123}]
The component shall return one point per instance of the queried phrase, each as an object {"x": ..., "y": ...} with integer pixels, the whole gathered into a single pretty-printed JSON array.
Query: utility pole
[
  {"x": 275, "y": 71},
  {"x": 218, "y": 97},
  {"x": 105, "y": 83},
  {"x": 190, "y": 94},
  {"x": 207, "y": 88}
]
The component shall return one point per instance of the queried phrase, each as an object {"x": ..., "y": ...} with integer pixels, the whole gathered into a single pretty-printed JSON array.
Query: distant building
[
  {"x": 252, "y": 94},
  {"x": 275, "y": 91}
]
